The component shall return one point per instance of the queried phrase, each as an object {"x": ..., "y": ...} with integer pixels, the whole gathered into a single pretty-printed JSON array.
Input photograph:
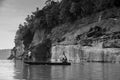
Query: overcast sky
[{"x": 12, "y": 13}]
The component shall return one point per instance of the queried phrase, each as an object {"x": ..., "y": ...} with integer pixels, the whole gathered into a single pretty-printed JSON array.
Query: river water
[{"x": 17, "y": 70}]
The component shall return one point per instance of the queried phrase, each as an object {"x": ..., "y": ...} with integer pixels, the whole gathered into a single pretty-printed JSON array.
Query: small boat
[{"x": 46, "y": 63}]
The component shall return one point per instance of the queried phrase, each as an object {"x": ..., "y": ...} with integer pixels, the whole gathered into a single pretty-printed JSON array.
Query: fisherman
[
  {"x": 29, "y": 55},
  {"x": 64, "y": 58}
]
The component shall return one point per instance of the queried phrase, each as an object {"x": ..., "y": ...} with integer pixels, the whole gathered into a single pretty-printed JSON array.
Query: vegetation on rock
[{"x": 59, "y": 17}]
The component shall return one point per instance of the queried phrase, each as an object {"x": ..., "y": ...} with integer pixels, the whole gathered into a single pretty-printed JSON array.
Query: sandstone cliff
[{"x": 82, "y": 33}]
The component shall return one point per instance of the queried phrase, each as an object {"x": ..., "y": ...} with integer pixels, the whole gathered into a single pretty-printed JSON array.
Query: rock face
[
  {"x": 87, "y": 39},
  {"x": 19, "y": 50},
  {"x": 87, "y": 43},
  {"x": 41, "y": 53},
  {"x": 77, "y": 53},
  {"x": 91, "y": 43},
  {"x": 40, "y": 46},
  {"x": 72, "y": 52},
  {"x": 38, "y": 37}
]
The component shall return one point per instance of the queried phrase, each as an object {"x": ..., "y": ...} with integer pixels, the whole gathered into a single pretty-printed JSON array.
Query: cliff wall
[
  {"x": 77, "y": 53},
  {"x": 39, "y": 46},
  {"x": 78, "y": 28},
  {"x": 98, "y": 41},
  {"x": 79, "y": 44}
]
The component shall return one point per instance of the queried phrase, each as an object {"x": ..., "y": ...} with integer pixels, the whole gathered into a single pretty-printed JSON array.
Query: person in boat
[
  {"x": 29, "y": 55},
  {"x": 64, "y": 58}
]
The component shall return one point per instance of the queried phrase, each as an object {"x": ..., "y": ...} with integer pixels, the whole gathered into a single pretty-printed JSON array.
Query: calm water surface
[{"x": 16, "y": 70}]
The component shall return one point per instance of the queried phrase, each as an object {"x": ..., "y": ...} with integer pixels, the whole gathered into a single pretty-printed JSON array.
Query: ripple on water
[{"x": 9, "y": 70}]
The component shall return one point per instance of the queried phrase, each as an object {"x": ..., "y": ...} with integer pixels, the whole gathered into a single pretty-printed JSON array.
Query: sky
[{"x": 13, "y": 13}]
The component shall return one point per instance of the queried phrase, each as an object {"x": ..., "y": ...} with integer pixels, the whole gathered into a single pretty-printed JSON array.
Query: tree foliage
[{"x": 60, "y": 12}]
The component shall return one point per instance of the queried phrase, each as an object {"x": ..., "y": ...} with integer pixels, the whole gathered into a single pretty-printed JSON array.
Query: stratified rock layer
[{"x": 76, "y": 53}]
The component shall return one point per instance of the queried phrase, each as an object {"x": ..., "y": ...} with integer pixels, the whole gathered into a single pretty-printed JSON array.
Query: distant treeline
[{"x": 58, "y": 12}]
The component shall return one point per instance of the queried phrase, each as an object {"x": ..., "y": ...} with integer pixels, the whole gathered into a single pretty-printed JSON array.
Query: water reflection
[
  {"x": 18, "y": 70},
  {"x": 37, "y": 72},
  {"x": 10, "y": 70}
]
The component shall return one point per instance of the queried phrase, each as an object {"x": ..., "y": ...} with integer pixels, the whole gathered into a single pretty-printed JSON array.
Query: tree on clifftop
[{"x": 55, "y": 13}]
